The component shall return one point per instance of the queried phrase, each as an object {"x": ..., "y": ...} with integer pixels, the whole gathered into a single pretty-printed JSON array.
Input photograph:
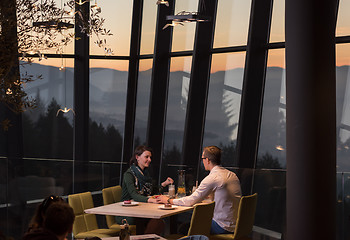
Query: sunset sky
[{"x": 232, "y": 15}]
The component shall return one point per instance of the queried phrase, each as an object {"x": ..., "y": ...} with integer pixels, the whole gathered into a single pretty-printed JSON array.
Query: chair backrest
[
  {"x": 245, "y": 216},
  {"x": 195, "y": 237},
  {"x": 83, "y": 222},
  {"x": 111, "y": 195},
  {"x": 201, "y": 219}
]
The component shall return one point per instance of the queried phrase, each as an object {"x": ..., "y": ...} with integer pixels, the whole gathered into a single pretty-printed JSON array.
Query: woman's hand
[
  {"x": 167, "y": 182},
  {"x": 153, "y": 200}
]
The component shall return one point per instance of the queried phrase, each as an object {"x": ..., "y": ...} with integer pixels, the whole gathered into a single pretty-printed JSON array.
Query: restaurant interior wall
[{"x": 48, "y": 163}]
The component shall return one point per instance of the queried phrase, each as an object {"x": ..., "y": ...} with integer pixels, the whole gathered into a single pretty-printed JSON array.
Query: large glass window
[
  {"x": 269, "y": 180},
  {"x": 48, "y": 129},
  {"x": 118, "y": 16},
  {"x": 223, "y": 104},
  {"x": 142, "y": 104},
  {"x": 343, "y": 23},
  {"x": 29, "y": 182},
  {"x": 278, "y": 19},
  {"x": 270, "y": 184},
  {"x": 176, "y": 114},
  {"x": 183, "y": 36},
  {"x": 272, "y": 143},
  {"x": 343, "y": 138},
  {"x": 47, "y": 144},
  {"x": 149, "y": 19},
  {"x": 343, "y": 107},
  {"x": 232, "y": 23},
  {"x": 108, "y": 87}
]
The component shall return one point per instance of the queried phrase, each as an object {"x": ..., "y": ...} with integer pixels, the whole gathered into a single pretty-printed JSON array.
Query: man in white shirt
[{"x": 225, "y": 187}]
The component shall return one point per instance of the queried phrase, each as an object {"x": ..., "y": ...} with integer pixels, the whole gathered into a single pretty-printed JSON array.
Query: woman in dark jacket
[
  {"x": 138, "y": 186},
  {"x": 137, "y": 182}
]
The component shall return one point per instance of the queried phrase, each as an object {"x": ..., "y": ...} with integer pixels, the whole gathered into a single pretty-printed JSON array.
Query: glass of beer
[{"x": 171, "y": 190}]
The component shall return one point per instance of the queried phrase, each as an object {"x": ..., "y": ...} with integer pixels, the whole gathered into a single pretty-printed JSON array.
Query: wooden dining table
[
  {"x": 140, "y": 210},
  {"x": 139, "y": 237}
]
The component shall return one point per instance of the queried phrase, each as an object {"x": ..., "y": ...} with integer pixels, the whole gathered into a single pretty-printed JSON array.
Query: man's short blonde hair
[{"x": 213, "y": 153}]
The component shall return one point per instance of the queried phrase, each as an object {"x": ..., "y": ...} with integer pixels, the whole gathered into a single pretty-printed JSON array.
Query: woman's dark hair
[
  {"x": 59, "y": 218},
  {"x": 137, "y": 152},
  {"x": 38, "y": 218}
]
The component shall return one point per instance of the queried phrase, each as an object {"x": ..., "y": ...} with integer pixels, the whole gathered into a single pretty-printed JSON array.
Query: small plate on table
[
  {"x": 129, "y": 204},
  {"x": 167, "y": 208}
]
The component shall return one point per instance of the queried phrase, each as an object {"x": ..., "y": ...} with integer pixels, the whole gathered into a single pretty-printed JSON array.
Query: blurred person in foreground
[
  {"x": 57, "y": 223},
  {"x": 38, "y": 219},
  {"x": 225, "y": 187}
]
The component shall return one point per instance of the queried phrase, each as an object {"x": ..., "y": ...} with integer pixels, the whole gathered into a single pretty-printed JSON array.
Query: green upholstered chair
[
  {"x": 112, "y": 195},
  {"x": 200, "y": 221},
  {"x": 85, "y": 225},
  {"x": 244, "y": 222}
]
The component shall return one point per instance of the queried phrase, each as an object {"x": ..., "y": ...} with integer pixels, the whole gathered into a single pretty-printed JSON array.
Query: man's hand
[{"x": 164, "y": 199}]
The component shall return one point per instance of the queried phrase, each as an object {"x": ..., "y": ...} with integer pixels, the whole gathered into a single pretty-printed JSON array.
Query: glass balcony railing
[{"x": 25, "y": 183}]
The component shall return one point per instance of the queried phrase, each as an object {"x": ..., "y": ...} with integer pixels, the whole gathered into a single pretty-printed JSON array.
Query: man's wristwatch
[{"x": 168, "y": 200}]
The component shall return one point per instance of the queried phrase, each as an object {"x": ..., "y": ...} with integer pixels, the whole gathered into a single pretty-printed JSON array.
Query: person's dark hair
[
  {"x": 59, "y": 218},
  {"x": 38, "y": 218},
  {"x": 137, "y": 152},
  {"x": 213, "y": 153}
]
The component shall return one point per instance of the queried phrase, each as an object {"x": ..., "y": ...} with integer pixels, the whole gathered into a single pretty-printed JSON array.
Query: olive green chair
[
  {"x": 200, "y": 221},
  {"x": 112, "y": 195},
  {"x": 85, "y": 225},
  {"x": 244, "y": 222}
]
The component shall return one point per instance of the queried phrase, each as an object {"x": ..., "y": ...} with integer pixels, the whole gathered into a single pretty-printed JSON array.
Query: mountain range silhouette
[{"x": 108, "y": 99}]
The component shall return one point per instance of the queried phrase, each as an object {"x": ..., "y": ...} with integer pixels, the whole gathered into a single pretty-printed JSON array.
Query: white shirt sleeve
[{"x": 206, "y": 187}]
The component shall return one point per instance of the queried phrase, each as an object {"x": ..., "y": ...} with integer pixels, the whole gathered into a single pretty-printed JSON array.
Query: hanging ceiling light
[
  {"x": 56, "y": 19},
  {"x": 65, "y": 109},
  {"x": 39, "y": 24},
  {"x": 96, "y": 7},
  {"x": 166, "y": 3},
  {"x": 184, "y": 16},
  {"x": 81, "y": 2},
  {"x": 172, "y": 24},
  {"x": 52, "y": 24}
]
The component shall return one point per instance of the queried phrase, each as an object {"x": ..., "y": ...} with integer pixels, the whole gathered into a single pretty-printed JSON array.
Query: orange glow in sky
[
  {"x": 220, "y": 62},
  {"x": 229, "y": 18}
]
